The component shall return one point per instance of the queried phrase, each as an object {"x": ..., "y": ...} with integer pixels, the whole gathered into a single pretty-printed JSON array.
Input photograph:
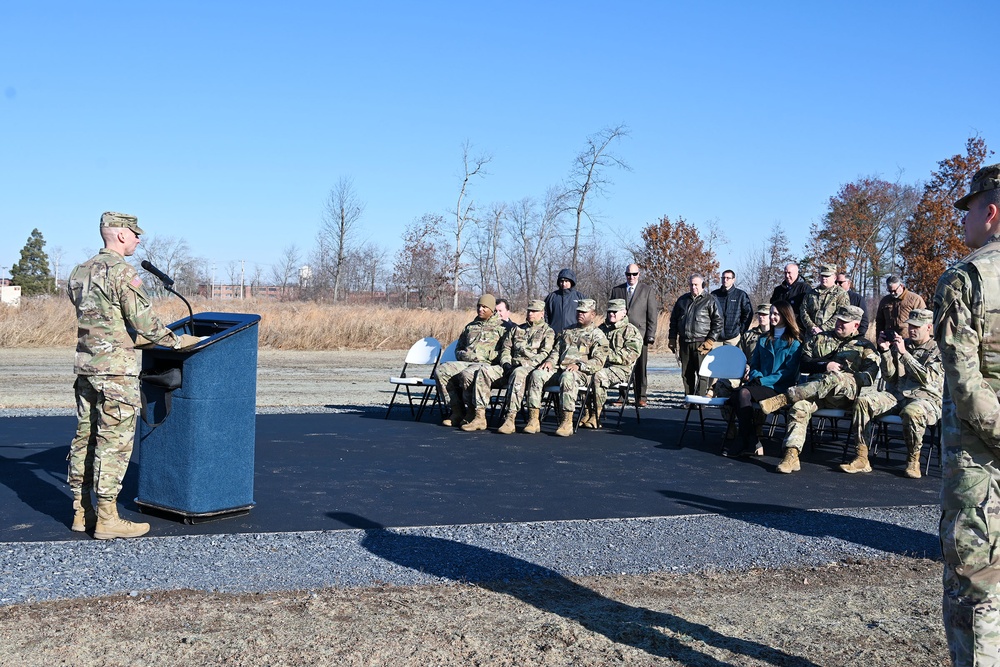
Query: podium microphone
[
  {"x": 168, "y": 284},
  {"x": 167, "y": 280}
]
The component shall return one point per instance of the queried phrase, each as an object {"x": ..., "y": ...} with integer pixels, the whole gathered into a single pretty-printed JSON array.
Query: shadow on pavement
[
  {"x": 885, "y": 537},
  {"x": 551, "y": 592}
]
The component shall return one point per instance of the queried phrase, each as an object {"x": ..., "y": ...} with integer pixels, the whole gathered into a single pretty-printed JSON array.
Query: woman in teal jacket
[{"x": 774, "y": 367}]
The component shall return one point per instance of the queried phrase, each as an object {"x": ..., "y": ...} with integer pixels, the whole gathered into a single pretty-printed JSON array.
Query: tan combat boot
[
  {"x": 478, "y": 422},
  {"x": 860, "y": 462},
  {"x": 110, "y": 525},
  {"x": 456, "y": 417},
  {"x": 508, "y": 424},
  {"x": 532, "y": 426},
  {"x": 565, "y": 424},
  {"x": 773, "y": 404},
  {"x": 913, "y": 464},
  {"x": 587, "y": 420},
  {"x": 791, "y": 461},
  {"x": 84, "y": 516}
]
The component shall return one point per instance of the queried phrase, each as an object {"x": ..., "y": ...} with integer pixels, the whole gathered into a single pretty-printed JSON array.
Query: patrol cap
[
  {"x": 764, "y": 309},
  {"x": 827, "y": 269},
  {"x": 615, "y": 305},
  {"x": 586, "y": 305},
  {"x": 536, "y": 304},
  {"x": 121, "y": 220},
  {"x": 987, "y": 178},
  {"x": 920, "y": 316},
  {"x": 489, "y": 301},
  {"x": 850, "y": 313}
]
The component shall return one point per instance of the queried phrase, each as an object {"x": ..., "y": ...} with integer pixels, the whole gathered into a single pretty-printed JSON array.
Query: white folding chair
[
  {"x": 726, "y": 362},
  {"x": 440, "y": 396},
  {"x": 425, "y": 352}
]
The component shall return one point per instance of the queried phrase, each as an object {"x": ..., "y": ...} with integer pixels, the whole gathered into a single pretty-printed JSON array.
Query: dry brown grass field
[{"x": 285, "y": 325}]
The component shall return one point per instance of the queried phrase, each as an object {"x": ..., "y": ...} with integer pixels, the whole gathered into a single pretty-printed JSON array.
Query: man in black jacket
[
  {"x": 735, "y": 307},
  {"x": 643, "y": 311},
  {"x": 856, "y": 300},
  {"x": 792, "y": 289},
  {"x": 560, "y": 305},
  {"x": 695, "y": 325}
]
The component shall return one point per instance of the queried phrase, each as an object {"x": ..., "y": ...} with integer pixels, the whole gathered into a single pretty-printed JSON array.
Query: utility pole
[
  {"x": 243, "y": 294},
  {"x": 212, "y": 293}
]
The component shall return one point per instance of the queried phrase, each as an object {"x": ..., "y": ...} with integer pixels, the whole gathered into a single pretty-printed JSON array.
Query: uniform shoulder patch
[{"x": 136, "y": 282}]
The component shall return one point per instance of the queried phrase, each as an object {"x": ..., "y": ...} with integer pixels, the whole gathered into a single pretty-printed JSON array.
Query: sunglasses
[
  {"x": 840, "y": 282},
  {"x": 631, "y": 274}
]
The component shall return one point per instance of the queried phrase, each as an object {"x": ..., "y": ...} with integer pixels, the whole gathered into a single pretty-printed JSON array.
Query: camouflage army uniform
[
  {"x": 914, "y": 382},
  {"x": 478, "y": 346},
  {"x": 967, "y": 330},
  {"x": 859, "y": 361},
  {"x": 524, "y": 348},
  {"x": 585, "y": 346},
  {"x": 624, "y": 347},
  {"x": 110, "y": 302},
  {"x": 819, "y": 308}
]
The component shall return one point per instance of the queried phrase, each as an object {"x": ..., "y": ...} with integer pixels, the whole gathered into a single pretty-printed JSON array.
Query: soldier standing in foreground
[
  {"x": 967, "y": 330},
  {"x": 110, "y": 302}
]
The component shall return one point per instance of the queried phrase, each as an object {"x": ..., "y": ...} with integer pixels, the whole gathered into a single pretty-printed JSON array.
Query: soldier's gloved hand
[
  {"x": 186, "y": 340},
  {"x": 707, "y": 346},
  {"x": 673, "y": 346},
  {"x": 650, "y": 341},
  {"x": 506, "y": 368}
]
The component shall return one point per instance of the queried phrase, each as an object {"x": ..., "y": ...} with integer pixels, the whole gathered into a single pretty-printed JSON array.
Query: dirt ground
[{"x": 883, "y": 612}]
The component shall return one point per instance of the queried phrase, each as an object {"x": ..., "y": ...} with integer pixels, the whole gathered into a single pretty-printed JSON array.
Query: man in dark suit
[{"x": 643, "y": 309}]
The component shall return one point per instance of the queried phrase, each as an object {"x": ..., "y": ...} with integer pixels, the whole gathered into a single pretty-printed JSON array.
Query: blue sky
[{"x": 227, "y": 123}]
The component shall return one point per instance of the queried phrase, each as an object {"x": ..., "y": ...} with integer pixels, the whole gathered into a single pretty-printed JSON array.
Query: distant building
[{"x": 10, "y": 294}]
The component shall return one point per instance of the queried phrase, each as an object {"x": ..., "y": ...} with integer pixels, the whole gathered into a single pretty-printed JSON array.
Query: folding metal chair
[
  {"x": 883, "y": 436},
  {"x": 726, "y": 362},
  {"x": 440, "y": 397},
  {"x": 425, "y": 352},
  {"x": 618, "y": 405}
]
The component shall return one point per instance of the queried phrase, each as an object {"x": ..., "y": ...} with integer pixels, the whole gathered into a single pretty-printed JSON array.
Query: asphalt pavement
[{"x": 311, "y": 470}]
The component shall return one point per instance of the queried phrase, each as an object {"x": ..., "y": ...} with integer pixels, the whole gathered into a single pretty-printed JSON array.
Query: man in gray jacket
[{"x": 695, "y": 325}]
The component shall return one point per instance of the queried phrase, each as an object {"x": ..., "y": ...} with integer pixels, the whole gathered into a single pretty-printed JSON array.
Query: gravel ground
[{"x": 838, "y": 587}]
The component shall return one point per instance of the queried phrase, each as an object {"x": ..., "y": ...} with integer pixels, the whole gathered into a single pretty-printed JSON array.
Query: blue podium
[{"x": 196, "y": 442}]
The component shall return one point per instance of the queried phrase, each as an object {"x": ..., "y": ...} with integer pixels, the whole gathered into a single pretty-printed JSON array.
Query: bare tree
[
  {"x": 419, "y": 266},
  {"x": 588, "y": 176},
  {"x": 715, "y": 238},
  {"x": 340, "y": 218},
  {"x": 173, "y": 257},
  {"x": 285, "y": 271},
  {"x": 370, "y": 267},
  {"x": 489, "y": 234},
  {"x": 464, "y": 213},
  {"x": 532, "y": 232}
]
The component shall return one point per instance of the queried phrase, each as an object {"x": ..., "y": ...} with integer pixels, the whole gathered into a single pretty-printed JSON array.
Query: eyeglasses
[
  {"x": 631, "y": 274},
  {"x": 840, "y": 282}
]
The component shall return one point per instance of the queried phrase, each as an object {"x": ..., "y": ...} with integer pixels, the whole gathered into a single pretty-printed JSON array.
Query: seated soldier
[
  {"x": 840, "y": 363},
  {"x": 914, "y": 384},
  {"x": 624, "y": 347},
  {"x": 524, "y": 349},
  {"x": 478, "y": 345},
  {"x": 579, "y": 353}
]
